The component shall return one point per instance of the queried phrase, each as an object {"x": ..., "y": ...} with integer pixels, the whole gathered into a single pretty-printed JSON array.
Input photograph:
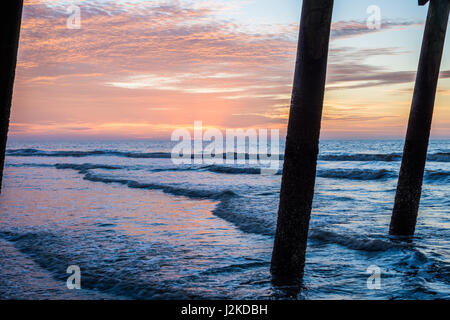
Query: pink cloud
[{"x": 158, "y": 65}]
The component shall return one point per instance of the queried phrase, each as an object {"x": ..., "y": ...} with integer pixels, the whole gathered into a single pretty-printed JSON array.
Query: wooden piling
[
  {"x": 409, "y": 188},
  {"x": 302, "y": 142},
  {"x": 10, "y": 19}
]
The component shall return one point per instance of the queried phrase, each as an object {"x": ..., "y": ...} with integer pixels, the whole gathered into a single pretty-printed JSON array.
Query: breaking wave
[
  {"x": 437, "y": 175},
  {"x": 361, "y": 157},
  {"x": 83, "y": 168},
  {"x": 80, "y": 154},
  {"x": 52, "y": 252},
  {"x": 354, "y": 242},
  {"x": 177, "y": 191},
  {"x": 438, "y": 157},
  {"x": 430, "y": 176},
  {"x": 356, "y": 174},
  {"x": 126, "y": 154}
]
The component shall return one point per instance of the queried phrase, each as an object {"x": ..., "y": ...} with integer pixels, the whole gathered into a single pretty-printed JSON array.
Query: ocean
[{"x": 140, "y": 227}]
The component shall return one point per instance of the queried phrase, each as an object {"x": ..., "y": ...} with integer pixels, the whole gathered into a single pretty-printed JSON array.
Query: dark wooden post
[
  {"x": 10, "y": 18},
  {"x": 409, "y": 188},
  {"x": 302, "y": 142}
]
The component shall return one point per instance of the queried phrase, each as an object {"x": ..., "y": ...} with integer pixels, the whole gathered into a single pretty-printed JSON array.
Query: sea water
[{"x": 140, "y": 227}]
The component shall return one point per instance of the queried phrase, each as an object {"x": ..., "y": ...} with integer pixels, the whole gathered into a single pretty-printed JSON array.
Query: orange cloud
[{"x": 143, "y": 68}]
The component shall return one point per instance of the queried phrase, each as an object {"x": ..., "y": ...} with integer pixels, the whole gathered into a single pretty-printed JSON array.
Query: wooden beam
[
  {"x": 302, "y": 142},
  {"x": 10, "y": 19},
  {"x": 409, "y": 188}
]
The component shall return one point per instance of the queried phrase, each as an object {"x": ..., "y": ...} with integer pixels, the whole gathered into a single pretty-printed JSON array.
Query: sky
[{"x": 139, "y": 69}]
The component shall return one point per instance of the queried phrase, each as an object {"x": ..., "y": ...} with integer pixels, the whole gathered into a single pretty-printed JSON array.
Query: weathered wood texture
[
  {"x": 409, "y": 186},
  {"x": 302, "y": 142},
  {"x": 10, "y": 18}
]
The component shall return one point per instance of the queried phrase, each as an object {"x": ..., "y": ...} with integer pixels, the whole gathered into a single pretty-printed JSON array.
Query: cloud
[
  {"x": 173, "y": 62},
  {"x": 165, "y": 36},
  {"x": 348, "y": 68},
  {"x": 347, "y": 29}
]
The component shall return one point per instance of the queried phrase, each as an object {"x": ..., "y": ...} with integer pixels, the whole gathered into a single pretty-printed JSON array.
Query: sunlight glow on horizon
[{"x": 141, "y": 69}]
